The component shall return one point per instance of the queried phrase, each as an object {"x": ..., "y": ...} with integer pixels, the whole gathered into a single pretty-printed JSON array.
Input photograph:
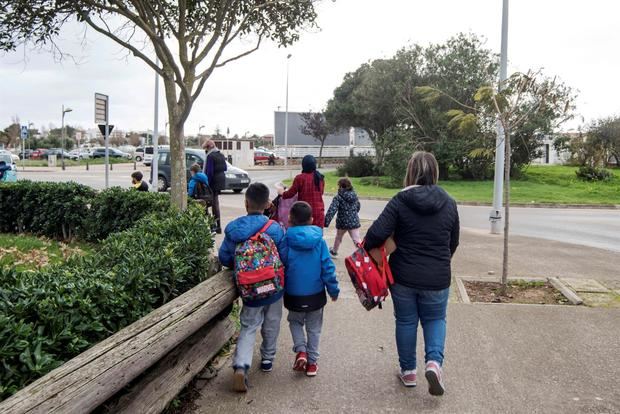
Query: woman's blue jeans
[{"x": 427, "y": 306}]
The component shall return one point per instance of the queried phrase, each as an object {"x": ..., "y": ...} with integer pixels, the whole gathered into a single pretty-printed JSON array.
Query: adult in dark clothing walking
[
  {"x": 309, "y": 187},
  {"x": 424, "y": 222},
  {"x": 215, "y": 170}
]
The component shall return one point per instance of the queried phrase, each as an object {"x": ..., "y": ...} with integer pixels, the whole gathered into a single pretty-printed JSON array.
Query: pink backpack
[{"x": 284, "y": 206}]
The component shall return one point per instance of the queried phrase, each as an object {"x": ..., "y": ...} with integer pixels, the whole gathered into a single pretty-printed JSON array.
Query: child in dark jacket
[
  {"x": 347, "y": 206},
  {"x": 309, "y": 271},
  {"x": 265, "y": 314}
]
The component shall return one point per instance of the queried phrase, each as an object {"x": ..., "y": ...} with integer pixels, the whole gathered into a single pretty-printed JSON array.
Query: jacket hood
[
  {"x": 426, "y": 199},
  {"x": 348, "y": 195},
  {"x": 201, "y": 177},
  {"x": 304, "y": 237},
  {"x": 245, "y": 227}
]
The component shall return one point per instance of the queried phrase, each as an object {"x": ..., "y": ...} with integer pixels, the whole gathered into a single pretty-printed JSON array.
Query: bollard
[
  {"x": 111, "y": 166},
  {"x": 134, "y": 164},
  {"x": 86, "y": 165}
]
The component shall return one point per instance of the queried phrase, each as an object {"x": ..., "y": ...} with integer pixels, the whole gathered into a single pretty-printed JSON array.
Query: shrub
[
  {"x": 55, "y": 210},
  {"x": 358, "y": 166},
  {"x": 52, "y": 315},
  {"x": 67, "y": 210},
  {"x": 588, "y": 173},
  {"x": 116, "y": 209}
]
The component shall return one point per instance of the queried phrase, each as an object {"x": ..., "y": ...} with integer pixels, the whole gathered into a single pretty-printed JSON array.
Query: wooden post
[
  {"x": 88, "y": 380},
  {"x": 153, "y": 393}
]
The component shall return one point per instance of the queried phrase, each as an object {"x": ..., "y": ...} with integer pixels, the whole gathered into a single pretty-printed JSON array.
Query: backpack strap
[{"x": 263, "y": 229}]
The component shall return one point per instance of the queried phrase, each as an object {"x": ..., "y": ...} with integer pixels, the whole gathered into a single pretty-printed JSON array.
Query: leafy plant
[
  {"x": 358, "y": 166},
  {"x": 52, "y": 315},
  {"x": 589, "y": 173},
  {"x": 116, "y": 209}
]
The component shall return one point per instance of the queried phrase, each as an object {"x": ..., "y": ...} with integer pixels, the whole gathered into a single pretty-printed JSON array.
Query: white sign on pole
[
  {"x": 24, "y": 132},
  {"x": 101, "y": 108},
  {"x": 101, "y": 118}
]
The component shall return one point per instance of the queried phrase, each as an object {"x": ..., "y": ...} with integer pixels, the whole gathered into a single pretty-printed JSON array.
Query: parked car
[
  {"x": 58, "y": 152},
  {"x": 38, "y": 154},
  {"x": 265, "y": 157},
  {"x": 149, "y": 150},
  {"x": 138, "y": 155},
  {"x": 112, "y": 153},
  {"x": 79, "y": 154},
  {"x": 26, "y": 153},
  {"x": 14, "y": 157},
  {"x": 236, "y": 178},
  {"x": 10, "y": 175}
]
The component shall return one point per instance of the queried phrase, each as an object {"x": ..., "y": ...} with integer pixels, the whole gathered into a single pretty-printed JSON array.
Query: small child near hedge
[
  {"x": 347, "y": 206},
  {"x": 244, "y": 251},
  {"x": 138, "y": 184},
  {"x": 309, "y": 271}
]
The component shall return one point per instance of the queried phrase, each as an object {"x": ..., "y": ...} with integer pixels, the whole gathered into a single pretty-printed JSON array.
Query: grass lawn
[
  {"x": 29, "y": 252},
  {"x": 540, "y": 184},
  {"x": 71, "y": 163}
]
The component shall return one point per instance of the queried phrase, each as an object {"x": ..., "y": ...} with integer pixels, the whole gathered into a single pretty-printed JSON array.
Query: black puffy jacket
[
  {"x": 346, "y": 205},
  {"x": 425, "y": 223}
]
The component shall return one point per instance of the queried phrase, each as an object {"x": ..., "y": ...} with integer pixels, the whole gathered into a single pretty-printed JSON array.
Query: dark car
[
  {"x": 112, "y": 153},
  {"x": 236, "y": 178},
  {"x": 57, "y": 152}
]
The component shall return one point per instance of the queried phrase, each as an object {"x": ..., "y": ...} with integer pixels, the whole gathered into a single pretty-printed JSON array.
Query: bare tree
[
  {"x": 316, "y": 125},
  {"x": 523, "y": 96},
  {"x": 183, "y": 41}
]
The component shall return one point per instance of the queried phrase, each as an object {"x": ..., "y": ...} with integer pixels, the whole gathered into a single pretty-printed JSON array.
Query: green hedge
[
  {"x": 69, "y": 210},
  {"x": 55, "y": 210},
  {"x": 49, "y": 316}
]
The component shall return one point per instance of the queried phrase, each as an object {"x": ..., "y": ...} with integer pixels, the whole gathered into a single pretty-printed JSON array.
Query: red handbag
[{"x": 371, "y": 280}]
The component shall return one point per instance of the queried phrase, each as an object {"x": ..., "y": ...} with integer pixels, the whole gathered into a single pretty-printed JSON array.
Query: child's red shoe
[
  {"x": 300, "y": 361},
  {"x": 312, "y": 370}
]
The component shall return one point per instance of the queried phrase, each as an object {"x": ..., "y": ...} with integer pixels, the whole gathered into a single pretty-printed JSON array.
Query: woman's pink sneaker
[
  {"x": 434, "y": 376},
  {"x": 408, "y": 377}
]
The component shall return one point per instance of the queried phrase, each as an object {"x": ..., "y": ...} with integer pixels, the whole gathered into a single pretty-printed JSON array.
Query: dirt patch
[{"x": 542, "y": 293}]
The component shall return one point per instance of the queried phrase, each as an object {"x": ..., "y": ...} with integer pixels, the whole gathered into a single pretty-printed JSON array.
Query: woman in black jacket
[{"x": 424, "y": 222}]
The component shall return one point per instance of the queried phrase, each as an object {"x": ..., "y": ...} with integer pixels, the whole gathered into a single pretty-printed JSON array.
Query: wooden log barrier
[{"x": 91, "y": 378}]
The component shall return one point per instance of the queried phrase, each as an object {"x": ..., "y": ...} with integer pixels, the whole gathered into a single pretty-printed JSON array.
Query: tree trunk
[
  {"x": 178, "y": 177},
  {"x": 321, "y": 153},
  {"x": 178, "y": 174},
  {"x": 507, "y": 160}
]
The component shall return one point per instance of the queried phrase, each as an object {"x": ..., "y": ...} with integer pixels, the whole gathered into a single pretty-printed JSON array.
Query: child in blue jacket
[
  {"x": 309, "y": 271},
  {"x": 265, "y": 314}
]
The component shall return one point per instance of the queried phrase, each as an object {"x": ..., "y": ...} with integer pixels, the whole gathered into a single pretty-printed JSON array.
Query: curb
[
  {"x": 572, "y": 297},
  {"x": 519, "y": 205},
  {"x": 566, "y": 291},
  {"x": 462, "y": 291}
]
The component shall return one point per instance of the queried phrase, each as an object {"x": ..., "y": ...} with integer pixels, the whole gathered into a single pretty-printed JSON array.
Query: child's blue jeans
[
  {"x": 268, "y": 319},
  {"x": 427, "y": 306}
]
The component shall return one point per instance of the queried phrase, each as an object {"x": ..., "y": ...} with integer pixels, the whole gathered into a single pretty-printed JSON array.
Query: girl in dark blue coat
[{"x": 347, "y": 206}]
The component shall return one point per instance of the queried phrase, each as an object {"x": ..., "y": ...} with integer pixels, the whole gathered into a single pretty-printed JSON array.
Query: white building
[{"x": 238, "y": 151}]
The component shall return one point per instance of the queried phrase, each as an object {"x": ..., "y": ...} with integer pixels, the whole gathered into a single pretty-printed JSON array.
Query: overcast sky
[{"x": 578, "y": 41}]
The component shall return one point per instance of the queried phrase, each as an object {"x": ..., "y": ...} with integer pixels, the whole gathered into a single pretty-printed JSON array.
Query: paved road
[{"x": 594, "y": 228}]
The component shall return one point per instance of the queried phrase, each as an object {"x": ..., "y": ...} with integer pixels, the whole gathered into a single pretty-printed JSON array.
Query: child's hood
[
  {"x": 304, "y": 237},
  {"x": 245, "y": 227},
  {"x": 200, "y": 177},
  {"x": 349, "y": 196}
]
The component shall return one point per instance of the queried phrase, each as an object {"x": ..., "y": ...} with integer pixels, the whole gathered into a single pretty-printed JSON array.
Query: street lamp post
[
  {"x": 62, "y": 132},
  {"x": 288, "y": 59},
  {"x": 498, "y": 187}
]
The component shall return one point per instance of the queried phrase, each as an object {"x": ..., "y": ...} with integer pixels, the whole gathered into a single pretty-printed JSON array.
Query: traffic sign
[
  {"x": 24, "y": 132},
  {"x": 102, "y": 129},
  {"x": 101, "y": 108}
]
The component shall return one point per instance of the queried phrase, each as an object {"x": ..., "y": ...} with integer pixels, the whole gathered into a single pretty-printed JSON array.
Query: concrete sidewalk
[{"x": 499, "y": 358}]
